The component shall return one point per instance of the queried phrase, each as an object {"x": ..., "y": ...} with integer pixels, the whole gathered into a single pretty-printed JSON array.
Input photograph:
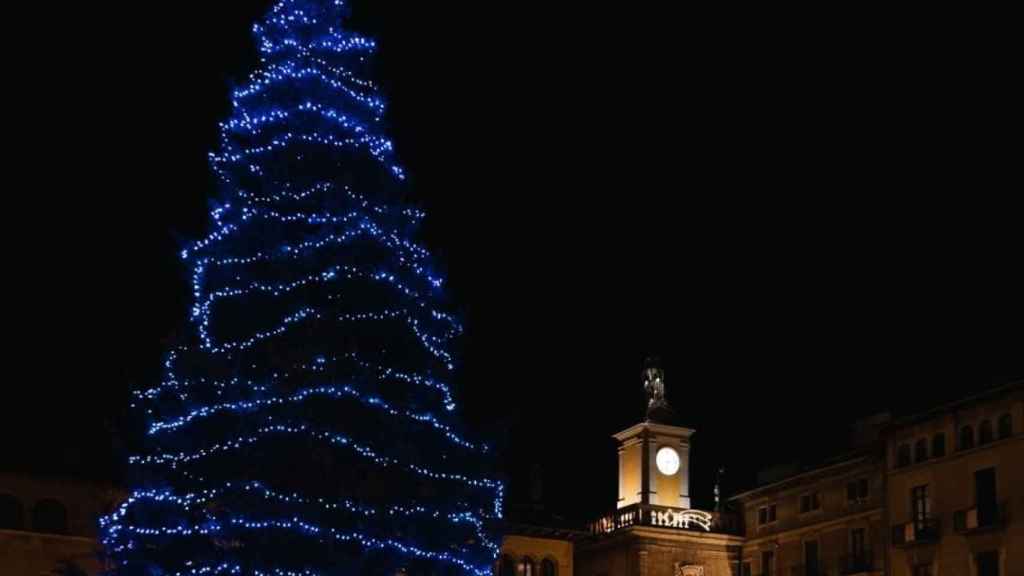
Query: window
[
  {"x": 985, "y": 434},
  {"x": 766, "y": 515},
  {"x": 966, "y": 438},
  {"x": 526, "y": 567},
  {"x": 938, "y": 445},
  {"x": 1005, "y": 426},
  {"x": 920, "y": 506},
  {"x": 857, "y": 547},
  {"x": 921, "y": 450},
  {"x": 810, "y": 502},
  {"x": 857, "y": 490},
  {"x": 767, "y": 563},
  {"x": 988, "y": 563},
  {"x": 985, "y": 498},
  {"x": 811, "y": 563},
  {"x": 547, "y": 568},
  {"x": 923, "y": 570},
  {"x": 746, "y": 570},
  {"x": 903, "y": 456},
  {"x": 12, "y": 513},
  {"x": 50, "y": 517}
]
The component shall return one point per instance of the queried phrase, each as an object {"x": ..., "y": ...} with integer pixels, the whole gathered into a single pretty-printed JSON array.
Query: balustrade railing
[{"x": 651, "y": 515}]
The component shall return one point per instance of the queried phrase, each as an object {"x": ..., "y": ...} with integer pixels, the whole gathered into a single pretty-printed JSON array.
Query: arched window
[
  {"x": 966, "y": 438},
  {"x": 50, "y": 516},
  {"x": 506, "y": 566},
  {"x": 526, "y": 567},
  {"x": 985, "y": 434},
  {"x": 548, "y": 568},
  {"x": 1005, "y": 426},
  {"x": 12, "y": 513},
  {"x": 939, "y": 445},
  {"x": 921, "y": 450},
  {"x": 903, "y": 455}
]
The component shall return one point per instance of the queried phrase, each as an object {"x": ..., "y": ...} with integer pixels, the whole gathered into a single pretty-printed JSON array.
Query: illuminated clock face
[{"x": 667, "y": 460}]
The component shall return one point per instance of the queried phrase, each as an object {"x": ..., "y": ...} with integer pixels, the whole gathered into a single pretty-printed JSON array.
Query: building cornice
[
  {"x": 662, "y": 429},
  {"x": 46, "y": 536},
  {"x": 917, "y": 418},
  {"x": 796, "y": 478}
]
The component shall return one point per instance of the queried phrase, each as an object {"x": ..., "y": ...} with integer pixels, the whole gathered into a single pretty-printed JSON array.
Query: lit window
[{"x": 920, "y": 506}]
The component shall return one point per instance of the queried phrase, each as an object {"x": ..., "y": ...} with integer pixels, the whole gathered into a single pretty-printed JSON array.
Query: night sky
[{"x": 808, "y": 227}]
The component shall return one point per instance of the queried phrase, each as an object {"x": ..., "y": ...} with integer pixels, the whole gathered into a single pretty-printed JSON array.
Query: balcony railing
[
  {"x": 921, "y": 531},
  {"x": 971, "y": 519},
  {"x": 860, "y": 563},
  {"x": 650, "y": 515}
]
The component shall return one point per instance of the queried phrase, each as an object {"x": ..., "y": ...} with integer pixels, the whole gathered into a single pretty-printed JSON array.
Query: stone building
[
  {"x": 653, "y": 531},
  {"x": 939, "y": 493},
  {"x": 955, "y": 488},
  {"x": 48, "y": 525},
  {"x": 537, "y": 551},
  {"x": 823, "y": 521}
]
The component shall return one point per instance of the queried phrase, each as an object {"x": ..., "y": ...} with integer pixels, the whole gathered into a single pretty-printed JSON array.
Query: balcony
[
  {"x": 650, "y": 515},
  {"x": 980, "y": 520},
  {"x": 862, "y": 563},
  {"x": 924, "y": 531}
]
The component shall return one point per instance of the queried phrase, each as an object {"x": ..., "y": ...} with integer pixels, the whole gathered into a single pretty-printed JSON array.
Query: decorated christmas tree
[{"x": 306, "y": 424}]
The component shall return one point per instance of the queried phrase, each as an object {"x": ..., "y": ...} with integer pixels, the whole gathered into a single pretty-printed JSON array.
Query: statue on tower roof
[{"x": 658, "y": 409}]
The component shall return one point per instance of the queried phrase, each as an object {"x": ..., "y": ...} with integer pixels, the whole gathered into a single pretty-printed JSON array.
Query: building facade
[
  {"x": 825, "y": 521},
  {"x": 48, "y": 525},
  {"x": 940, "y": 493},
  {"x": 654, "y": 531},
  {"x": 534, "y": 551},
  {"x": 955, "y": 488},
  {"x": 936, "y": 494}
]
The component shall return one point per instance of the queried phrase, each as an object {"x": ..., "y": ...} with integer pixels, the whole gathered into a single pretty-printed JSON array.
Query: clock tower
[
  {"x": 654, "y": 455},
  {"x": 653, "y": 531}
]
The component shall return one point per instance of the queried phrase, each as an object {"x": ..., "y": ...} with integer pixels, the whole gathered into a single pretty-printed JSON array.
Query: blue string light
[{"x": 295, "y": 251}]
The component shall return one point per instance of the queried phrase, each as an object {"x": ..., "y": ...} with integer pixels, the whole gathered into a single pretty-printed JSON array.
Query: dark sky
[{"x": 809, "y": 224}]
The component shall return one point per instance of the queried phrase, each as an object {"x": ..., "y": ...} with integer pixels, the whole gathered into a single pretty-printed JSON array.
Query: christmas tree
[{"x": 305, "y": 425}]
